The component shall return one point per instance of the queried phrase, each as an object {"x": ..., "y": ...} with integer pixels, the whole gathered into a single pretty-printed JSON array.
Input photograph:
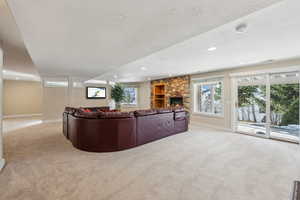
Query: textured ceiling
[
  {"x": 272, "y": 34},
  {"x": 94, "y": 37}
]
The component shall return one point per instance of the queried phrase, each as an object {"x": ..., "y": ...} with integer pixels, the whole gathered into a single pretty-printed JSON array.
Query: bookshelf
[{"x": 159, "y": 96}]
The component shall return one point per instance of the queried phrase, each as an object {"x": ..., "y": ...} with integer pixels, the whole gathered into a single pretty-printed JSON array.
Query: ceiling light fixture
[
  {"x": 212, "y": 49},
  {"x": 143, "y": 68},
  {"x": 241, "y": 28},
  {"x": 115, "y": 76}
]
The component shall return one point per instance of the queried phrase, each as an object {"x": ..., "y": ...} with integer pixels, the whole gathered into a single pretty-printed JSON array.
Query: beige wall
[
  {"x": 57, "y": 98},
  {"x": 54, "y": 101},
  {"x": 226, "y": 121},
  {"x": 2, "y": 161},
  {"x": 22, "y": 97},
  {"x": 144, "y": 96},
  {"x": 78, "y": 97}
]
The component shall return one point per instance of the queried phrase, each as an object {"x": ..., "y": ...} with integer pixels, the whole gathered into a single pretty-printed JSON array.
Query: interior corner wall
[
  {"x": 226, "y": 121},
  {"x": 22, "y": 97},
  {"x": 54, "y": 101}
]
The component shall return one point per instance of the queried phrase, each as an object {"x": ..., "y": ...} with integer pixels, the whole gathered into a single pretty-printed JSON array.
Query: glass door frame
[{"x": 234, "y": 96}]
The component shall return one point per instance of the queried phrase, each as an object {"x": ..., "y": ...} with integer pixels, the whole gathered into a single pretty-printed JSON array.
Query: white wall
[
  {"x": 226, "y": 121},
  {"x": 2, "y": 161}
]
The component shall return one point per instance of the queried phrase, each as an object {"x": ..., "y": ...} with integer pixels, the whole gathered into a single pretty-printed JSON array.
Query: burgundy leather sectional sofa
[{"x": 100, "y": 130}]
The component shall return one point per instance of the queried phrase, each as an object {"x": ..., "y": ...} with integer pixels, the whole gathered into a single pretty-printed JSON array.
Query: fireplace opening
[{"x": 176, "y": 101}]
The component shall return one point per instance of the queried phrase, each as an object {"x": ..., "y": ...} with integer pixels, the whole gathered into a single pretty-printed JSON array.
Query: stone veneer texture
[{"x": 175, "y": 87}]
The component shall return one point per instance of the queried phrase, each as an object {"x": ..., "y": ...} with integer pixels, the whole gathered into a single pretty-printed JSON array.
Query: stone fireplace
[{"x": 176, "y": 92}]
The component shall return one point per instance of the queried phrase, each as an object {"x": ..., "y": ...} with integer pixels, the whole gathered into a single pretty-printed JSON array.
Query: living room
[{"x": 143, "y": 100}]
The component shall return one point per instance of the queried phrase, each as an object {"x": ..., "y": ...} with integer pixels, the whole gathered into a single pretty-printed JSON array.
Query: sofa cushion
[
  {"x": 115, "y": 110},
  {"x": 164, "y": 110},
  {"x": 145, "y": 112},
  {"x": 87, "y": 115},
  {"x": 116, "y": 115},
  {"x": 180, "y": 115}
]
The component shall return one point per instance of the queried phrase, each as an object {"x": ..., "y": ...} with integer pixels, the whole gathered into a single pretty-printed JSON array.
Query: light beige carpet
[{"x": 201, "y": 164}]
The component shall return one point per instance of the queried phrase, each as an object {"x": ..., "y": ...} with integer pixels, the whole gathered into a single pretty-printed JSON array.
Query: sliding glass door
[
  {"x": 251, "y": 105},
  {"x": 284, "y": 112},
  {"x": 268, "y": 105}
]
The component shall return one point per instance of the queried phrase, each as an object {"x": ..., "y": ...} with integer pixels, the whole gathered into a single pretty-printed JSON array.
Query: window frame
[
  {"x": 196, "y": 93},
  {"x": 136, "y": 95}
]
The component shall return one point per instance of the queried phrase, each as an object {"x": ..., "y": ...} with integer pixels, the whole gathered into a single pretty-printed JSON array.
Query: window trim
[{"x": 196, "y": 99}]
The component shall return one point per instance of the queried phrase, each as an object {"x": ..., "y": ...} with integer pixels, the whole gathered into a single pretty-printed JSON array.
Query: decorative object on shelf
[{"x": 118, "y": 95}]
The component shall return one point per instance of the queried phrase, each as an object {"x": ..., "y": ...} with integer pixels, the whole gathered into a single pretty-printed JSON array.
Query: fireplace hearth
[{"x": 176, "y": 101}]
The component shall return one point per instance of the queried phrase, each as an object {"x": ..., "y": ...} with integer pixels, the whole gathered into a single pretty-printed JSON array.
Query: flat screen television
[{"x": 95, "y": 92}]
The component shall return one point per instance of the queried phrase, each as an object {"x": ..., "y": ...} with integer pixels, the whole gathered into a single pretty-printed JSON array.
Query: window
[
  {"x": 55, "y": 82},
  {"x": 208, "y": 97},
  {"x": 130, "y": 96}
]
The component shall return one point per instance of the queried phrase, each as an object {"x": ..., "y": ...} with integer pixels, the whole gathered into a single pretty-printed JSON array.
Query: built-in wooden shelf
[{"x": 159, "y": 96}]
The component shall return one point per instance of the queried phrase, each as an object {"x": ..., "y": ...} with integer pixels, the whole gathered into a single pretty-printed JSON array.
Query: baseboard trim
[
  {"x": 210, "y": 126},
  {"x": 2, "y": 164},
  {"x": 22, "y": 115},
  {"x": 52, "y": 121}
]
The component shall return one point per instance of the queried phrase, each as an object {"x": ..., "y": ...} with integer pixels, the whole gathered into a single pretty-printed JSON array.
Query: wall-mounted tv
[{"x": 95, "y": 92}]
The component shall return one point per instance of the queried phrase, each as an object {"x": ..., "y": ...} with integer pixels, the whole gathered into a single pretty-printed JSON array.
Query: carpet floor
[{"x": 201, "y": 164}]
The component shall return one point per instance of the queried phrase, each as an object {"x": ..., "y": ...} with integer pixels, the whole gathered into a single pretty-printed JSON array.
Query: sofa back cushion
[
  {"x": 180, "y": 115},
  {"x": 139, "y": 113},
  {"x": 116, "y": 115},
  {"x": 178, "y": 109},
  {"x": 153, "y": 127},
  {"x": 87, "y": 115},
  {"x": 164, "y": 110}
]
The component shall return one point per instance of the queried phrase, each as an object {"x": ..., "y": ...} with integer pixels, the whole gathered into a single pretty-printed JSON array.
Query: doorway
[{"x": 267, "y": 105}]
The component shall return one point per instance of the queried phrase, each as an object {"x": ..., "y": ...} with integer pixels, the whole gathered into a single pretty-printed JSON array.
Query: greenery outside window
[
  {"x": 131, "y": 97},
  {"x": 209, "y": 97}
]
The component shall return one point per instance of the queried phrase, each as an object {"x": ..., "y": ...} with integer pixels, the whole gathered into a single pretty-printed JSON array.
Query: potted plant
[{"x": 118, "y": 95}]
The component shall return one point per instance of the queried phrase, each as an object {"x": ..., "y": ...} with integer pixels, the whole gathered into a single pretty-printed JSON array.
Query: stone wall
[{"x": 175, "y": 87}]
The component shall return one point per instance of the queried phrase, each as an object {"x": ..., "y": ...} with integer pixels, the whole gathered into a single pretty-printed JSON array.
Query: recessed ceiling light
[
  {"x": 143, "y": 68},
  {"x": 212, "y": 49},
  {"x": 122, "y": 17},
  {"x": 4, "y": 71},
  {"x": 241, "y": 28},
  {"x": 115, "y": 76}
]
